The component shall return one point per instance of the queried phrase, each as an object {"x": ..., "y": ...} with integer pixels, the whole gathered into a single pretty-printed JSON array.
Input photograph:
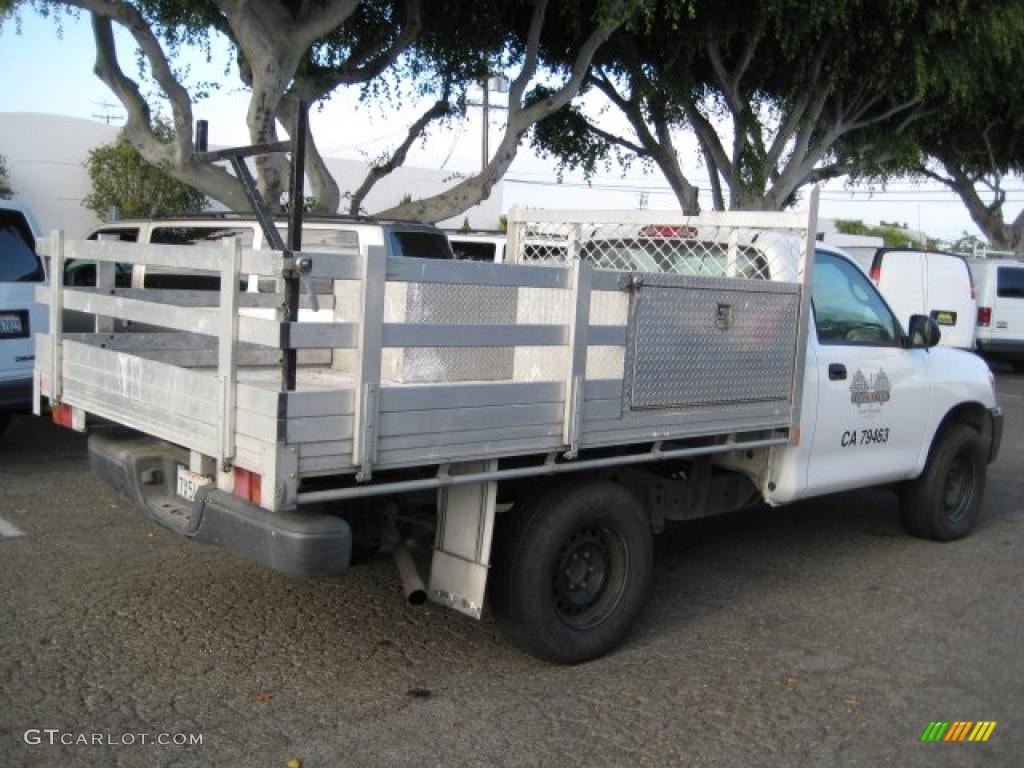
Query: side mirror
[{"x": 924, "y": 333}]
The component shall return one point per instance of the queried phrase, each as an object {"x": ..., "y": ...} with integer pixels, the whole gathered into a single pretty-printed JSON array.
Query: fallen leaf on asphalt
[
  {"x": 789, "y": 681},
  {"x": 850, "y": 701},
  {"x": 149, "y": 535},
  {"x": 294, "y": 763},
  {"x": 263, "y": 698}
]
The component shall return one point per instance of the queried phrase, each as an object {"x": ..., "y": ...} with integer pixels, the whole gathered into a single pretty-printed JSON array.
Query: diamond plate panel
[
  {"x": 689, "y": 346},
  {"x": 445, "y": 304}
]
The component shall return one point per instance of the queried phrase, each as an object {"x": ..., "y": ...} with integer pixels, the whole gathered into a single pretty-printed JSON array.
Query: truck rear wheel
[
  {"x": 942, "y": 504},
  {"x": 572, "y": 571}
]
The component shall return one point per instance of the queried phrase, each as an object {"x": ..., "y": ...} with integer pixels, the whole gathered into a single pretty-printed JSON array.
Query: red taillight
[
  {"x": 875, "y": 274},
  {"x": 61, "y": 414},
  {"x": 247, "y": 485},
  {"x": 984, "y": 316},
  {"x": 667, "y": 230}
]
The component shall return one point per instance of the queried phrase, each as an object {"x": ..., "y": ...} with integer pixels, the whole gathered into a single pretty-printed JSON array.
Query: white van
[
  {"x": 932, "y": 283},
  {"x": 477, "y": 245},
  {"x": 1000, "y": 331},
  {"x": 21, "y": 270}
]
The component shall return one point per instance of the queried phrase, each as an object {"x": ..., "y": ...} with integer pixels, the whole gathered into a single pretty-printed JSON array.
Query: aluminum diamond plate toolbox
[{"x": 699, "y": 342}]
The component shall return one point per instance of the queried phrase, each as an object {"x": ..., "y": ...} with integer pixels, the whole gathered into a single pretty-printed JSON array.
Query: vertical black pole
[
  {"x": 297, "y": 198},
  {"x": 202, "y": 135}
]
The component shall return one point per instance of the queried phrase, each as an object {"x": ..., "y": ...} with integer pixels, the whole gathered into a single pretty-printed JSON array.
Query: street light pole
[{"x": 485, "y": 107}]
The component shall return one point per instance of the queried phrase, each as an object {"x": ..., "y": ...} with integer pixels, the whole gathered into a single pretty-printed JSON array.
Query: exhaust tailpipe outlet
[{"x": 412, "y": 584}]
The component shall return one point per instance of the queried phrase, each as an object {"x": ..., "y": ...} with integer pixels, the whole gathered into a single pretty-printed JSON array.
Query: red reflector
[
  {"x": 667, "y": 230},
  {"x": 875, "y": 274},
  {"x": 247, "y": 485},
  {"x": 61, "y": 414},
  {"x": 984, "y": 316}
]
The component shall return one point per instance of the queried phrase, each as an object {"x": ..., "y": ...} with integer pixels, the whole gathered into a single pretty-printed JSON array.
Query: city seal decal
[{"x": 870, "y": 392}]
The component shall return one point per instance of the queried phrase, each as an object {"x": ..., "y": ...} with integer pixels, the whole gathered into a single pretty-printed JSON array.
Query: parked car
[
  {"x": 21, "y": 270},
  {"x": 932, "y": 283},
  {"x": 477, "y": 245},
  {"x": 1000, "y": 330}
]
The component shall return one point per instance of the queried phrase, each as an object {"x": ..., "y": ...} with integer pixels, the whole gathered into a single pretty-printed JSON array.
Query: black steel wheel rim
[
  {"x": 590, "y": 576},
  {"x": 958, "y": 488}
]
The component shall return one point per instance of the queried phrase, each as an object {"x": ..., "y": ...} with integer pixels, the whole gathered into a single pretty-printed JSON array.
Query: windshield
[
  {"x": 18, "y": 260},
  {"x": 420, "y": 245}
]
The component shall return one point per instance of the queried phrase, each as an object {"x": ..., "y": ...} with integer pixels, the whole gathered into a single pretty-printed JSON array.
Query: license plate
[
  {"x": 190, "y": 482},
  {"x": 944, "y": 317},
  {"x": 10, "y": 325}
]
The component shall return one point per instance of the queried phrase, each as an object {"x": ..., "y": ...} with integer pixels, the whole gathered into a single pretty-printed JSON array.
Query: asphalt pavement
[{"x": 816, "y": 635}]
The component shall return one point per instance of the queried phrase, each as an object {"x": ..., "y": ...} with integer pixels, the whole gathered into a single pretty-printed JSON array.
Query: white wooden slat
[
  {"x": 495, "y": 417},
  {"x": 314, "y": 466},
  {"x": 197, "y": 257},
  {"x": 431, "y": 439},
  {"x": 326, "y": 448},
  {"x": 607, "y": 336},
  {"x": 327, "y": 402},
  {"x": 318, "y": 429},
  {"x": 148, "y": 372},
  {"x": 496, "y": 448},
  {"x": 420, "y": 397},
  {"x": 193, "y": 319},
  {"x": 303, "y": 335},
  {"x": 189, "y": 433},
  {"x": 154, "y": 396}
]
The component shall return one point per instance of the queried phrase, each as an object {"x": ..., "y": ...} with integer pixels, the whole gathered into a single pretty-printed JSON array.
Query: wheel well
[{"x": 974, "y": 415}]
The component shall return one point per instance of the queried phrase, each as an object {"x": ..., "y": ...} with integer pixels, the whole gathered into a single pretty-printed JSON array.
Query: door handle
[{"x": 836, "y": 372}]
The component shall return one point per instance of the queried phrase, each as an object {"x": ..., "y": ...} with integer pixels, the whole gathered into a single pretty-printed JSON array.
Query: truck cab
[{"x": 876, "y": 396}]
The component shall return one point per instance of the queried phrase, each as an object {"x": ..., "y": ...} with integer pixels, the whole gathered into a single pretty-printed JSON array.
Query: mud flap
[{"x": 462, "y": 549}]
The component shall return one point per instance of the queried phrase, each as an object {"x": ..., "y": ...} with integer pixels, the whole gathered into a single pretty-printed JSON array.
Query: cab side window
[{"x": 847, "y": 308}]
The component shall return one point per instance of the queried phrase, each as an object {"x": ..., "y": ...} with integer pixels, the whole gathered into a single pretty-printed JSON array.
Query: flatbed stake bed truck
[{"x": 531, "y": 424}]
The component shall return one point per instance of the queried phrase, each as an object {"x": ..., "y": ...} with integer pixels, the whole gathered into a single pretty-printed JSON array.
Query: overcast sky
[{"x": 44, "y": 73}]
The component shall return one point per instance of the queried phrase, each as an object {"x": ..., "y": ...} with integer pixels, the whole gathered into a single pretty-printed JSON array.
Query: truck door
[
  {"x": 948, "y": 299},
  {"x": 872, "y": 393},
  {"x": 900, "y": 276}
]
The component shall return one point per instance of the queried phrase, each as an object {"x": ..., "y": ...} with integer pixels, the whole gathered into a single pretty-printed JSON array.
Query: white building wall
[{"x": 46, "y": 157}]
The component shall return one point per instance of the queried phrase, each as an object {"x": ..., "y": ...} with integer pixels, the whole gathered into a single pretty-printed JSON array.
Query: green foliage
[
  {"x": 503, "y": 223},
  {"x": 894, "y": 234},
  {"x": 122, "y": 180},
  {"x": 6, "y": 193}
]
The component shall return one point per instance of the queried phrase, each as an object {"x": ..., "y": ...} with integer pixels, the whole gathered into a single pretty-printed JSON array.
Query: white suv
[{"x": 21, "y": 270}]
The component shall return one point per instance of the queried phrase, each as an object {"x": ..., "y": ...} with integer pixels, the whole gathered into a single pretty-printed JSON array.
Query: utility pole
[
  {"x": 106, "y": 115},
  {"x": 487, "y": 85}
]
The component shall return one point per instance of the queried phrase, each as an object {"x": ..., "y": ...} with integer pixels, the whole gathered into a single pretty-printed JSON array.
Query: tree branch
[{"x": 439, "y": 109}]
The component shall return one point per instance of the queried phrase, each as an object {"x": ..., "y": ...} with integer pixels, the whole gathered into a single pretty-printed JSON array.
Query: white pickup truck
[{"x": 655, "y": 368}]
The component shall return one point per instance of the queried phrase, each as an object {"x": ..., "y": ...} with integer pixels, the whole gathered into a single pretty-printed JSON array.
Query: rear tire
[
  {"x": 572, "y": 571},
  {"x": 943, "y": 503},
  {"x": 5, "y": 422}
]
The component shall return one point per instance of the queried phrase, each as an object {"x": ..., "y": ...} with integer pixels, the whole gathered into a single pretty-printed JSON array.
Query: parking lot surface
[{"x": 817, "y": 635}]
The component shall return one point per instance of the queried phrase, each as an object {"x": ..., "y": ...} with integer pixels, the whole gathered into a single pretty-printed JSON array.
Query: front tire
[
  {"x": 572, "y": 571},
  {"x": 943, "y": 503}
]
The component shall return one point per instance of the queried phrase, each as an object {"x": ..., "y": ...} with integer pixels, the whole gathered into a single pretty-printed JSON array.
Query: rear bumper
[
  {"x": 1008, "y": 349},
  {"x": 16, "y": 394},
  {"x": 997, "y": 433},
  {"x": 297, "y": 543}
]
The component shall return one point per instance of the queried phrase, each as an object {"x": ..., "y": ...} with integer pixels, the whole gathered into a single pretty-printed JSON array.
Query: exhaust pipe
[{"x": 412, "y": 584}]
